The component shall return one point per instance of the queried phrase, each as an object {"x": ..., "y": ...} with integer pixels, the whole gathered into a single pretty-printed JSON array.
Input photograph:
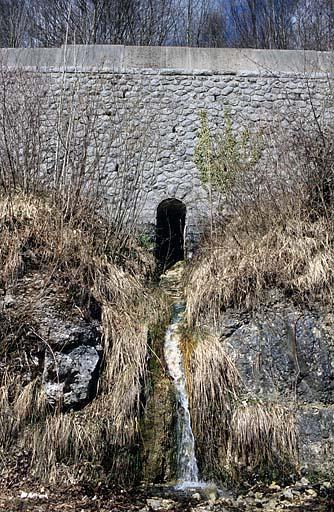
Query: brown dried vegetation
[{"x": 58, "y": 224}]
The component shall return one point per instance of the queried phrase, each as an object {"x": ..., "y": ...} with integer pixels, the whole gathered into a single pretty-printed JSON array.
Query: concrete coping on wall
[{"x": 169, "y": 60}]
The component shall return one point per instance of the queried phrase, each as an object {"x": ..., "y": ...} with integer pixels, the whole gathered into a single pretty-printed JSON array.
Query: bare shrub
[{"x": 59, "y": 151}]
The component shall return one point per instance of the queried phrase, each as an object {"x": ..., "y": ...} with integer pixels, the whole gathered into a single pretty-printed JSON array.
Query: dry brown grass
[
  {"x": 29, "y": 405},
  {"x": 85, "y": 444},
  {"x": 263, "y": 438},
  {"x": 35, "y": 234},
  {"x": 274, "y": 227},
  {"x": 214, "y": 384},
  {"x": 7, "y": 418},
  {"x": 64, "y": 439},
  {"x": 57, "y": 221},
  {"x": 36, "y": 237},
  {"x": 295, "y": 256},
  {"x": 125, "y": 371},
  {"x": 21, "y": 406}
]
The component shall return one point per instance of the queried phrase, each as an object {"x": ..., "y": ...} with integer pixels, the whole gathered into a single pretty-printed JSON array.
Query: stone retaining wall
[{"x": 163, "y": 90}]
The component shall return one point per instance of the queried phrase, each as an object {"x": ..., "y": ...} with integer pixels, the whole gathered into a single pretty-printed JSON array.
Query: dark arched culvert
[{"x": 171, "y": 218}]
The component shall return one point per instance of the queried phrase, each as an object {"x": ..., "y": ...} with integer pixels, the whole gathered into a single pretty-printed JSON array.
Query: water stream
[{"x": 186, "y": 460}]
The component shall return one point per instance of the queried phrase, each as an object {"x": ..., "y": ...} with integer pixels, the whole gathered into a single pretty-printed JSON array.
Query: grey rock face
[
  {"x": 60, "y": 342},
  {"x": 65, "y": 333},
  {"x": 316, "y": 427},
  {"x": 70, "y": 378},
  {"x": 72, "y": 358},
  {"x": 286, "y": 354}
]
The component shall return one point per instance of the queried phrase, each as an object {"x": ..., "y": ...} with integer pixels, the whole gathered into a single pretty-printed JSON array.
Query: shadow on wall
[{"x": 170, "y": 226}]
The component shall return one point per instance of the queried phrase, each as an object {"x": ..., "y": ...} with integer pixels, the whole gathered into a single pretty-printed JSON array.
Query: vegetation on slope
[
  {"x": 61, "y": 239},
  {"x": 272, "y": 228},
  {"x": 74, "y": 259},
  {"x": 274, "y": 225},
  {"x": 280, "y": 235}
]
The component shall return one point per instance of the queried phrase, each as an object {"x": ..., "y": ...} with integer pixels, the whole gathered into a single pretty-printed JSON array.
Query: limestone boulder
[{"x": 70, "y": 378}]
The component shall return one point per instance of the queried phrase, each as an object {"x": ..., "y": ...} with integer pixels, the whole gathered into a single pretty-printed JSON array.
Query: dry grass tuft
[
  {"x": 263, "y": 436},
  {"x": 295, "y": 256},
  {"x": 214, "y": 384},
  {"x": 125, "y": 371},
  {"x": 29, "y": 406},
  {"x": 127, "y": 310},
  {"x": 86, "y": 442},
  {"x": 20, "y": 407},
  {"x": 8, "y": 425}
]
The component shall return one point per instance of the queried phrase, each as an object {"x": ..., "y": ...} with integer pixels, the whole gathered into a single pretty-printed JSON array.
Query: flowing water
[{"x": 187, "y": 463}]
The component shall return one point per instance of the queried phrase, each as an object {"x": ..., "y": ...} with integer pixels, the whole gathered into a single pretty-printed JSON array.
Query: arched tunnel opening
[{"x": 171, "y": 219}]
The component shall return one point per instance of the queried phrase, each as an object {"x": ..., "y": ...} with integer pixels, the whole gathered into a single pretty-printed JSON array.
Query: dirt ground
[
  {"x": 68, "y": 499},
  {"x": 81, "y": 498}
]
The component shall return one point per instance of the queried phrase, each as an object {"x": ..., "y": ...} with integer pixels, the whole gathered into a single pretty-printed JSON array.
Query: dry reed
[
  {"x": 263, "y": 438},
  {"x": 296, "y": 257},
  {"x": 214, "y": 384},
  {"x": 37, "y": 238}
]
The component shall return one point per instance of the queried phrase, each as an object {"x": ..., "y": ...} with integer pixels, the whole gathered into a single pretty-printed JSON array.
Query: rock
[
  {"x": 161, "y": 504},
  {"x": 33, "y": 496},
  {"x": 196, "y": 496},
  {"x": 286, "y": 342},
  {"x": 287, "y": 352},
  {"x": 274, "y": 486},
  {"x": 70, "y": 372},
  {"x": 287, "y": 494},
  {"x": 158, "y": 432},
  {"x": 71, "y": 378},
  {"x": 58, "y": 340},
  {"x": 211, "y": 492},
  {"x": 311, "y": 492},
  {"x": 212, "y": 497},
  {"x": 67, "y": 332},
  {"x": 326, "y": 485},
  {"x": 303, "y": 482},
  {"x": 8, "y": 301}
]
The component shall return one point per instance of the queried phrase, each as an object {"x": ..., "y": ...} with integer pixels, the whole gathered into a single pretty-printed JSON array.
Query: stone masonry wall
[{"x": 158, "y": 104}]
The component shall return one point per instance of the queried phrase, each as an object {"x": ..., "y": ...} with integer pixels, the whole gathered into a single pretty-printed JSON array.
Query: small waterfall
[{"x": 187, "y": 464}]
